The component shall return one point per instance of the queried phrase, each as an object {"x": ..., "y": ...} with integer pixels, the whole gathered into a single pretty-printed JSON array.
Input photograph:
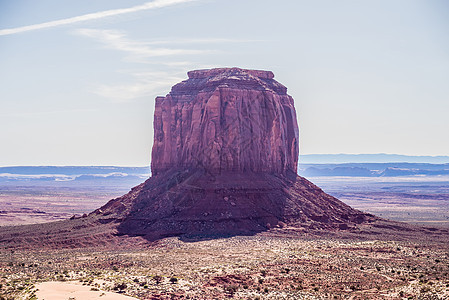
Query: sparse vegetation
[
  {"x": 173, "y": 280},
  {"x": 239, "y": 267}
]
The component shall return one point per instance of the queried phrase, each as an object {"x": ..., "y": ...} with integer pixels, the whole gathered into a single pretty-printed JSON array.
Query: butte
[{"x": 224, "y": 162}]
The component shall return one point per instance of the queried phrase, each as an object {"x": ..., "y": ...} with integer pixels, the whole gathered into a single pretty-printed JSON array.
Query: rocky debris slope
[{"x": 196, "y": 203}]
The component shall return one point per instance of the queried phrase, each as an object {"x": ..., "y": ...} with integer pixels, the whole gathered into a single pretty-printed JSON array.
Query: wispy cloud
[
  {"x": 144, "y": 84},
  {"x": 94, "y": 16},
  {"x": 136, "y": 50}
]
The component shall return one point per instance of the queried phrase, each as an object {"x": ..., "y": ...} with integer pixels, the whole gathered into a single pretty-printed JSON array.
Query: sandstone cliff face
[{"x": 226, "y": 119}]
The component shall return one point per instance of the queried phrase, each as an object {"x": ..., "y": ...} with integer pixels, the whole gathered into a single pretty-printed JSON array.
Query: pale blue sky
[{"x": 79, "y": 78}]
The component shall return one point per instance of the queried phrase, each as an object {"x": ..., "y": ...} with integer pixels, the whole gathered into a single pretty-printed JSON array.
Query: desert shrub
[
  {"x": 231, "y": 289},
  {"x": 120, "y": 286},
  {"x": 158, "y": 279},
  {"x": 94, "y": 289},
  {"x": 173, "y": 280},
  {"x": 61, "y": 278}
]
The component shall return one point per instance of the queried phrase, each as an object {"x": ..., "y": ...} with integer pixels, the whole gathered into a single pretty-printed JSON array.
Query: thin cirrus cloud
[
  {"x": 94, "y": 16},
  {"x": 136, "y": 50},
  {"x": 147, "y": 83},
  {"x": 144, "y": 84}
]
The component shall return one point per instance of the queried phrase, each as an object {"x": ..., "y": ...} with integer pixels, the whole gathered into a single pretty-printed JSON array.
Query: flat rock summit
[{"x": 224, "y": 162}]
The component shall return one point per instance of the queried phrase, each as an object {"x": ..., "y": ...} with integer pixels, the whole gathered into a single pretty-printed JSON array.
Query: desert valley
[{"x": 224, "y": 213}]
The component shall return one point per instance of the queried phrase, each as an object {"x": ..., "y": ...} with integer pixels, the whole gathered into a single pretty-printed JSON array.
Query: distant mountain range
[
  {"x": 373, "y": 169},
  {"x": 73, "y": 175},
  {"x": 372, "y": 165},
  {"x": 312, "y": 165},
  {"x": 74, "y": 170},
  {"x": 370, "y": 158}
]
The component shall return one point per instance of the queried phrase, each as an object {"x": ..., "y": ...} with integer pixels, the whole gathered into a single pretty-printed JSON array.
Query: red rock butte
[
  {"x": 224, "y": 162},
  {"x": 226, "y": 120}
]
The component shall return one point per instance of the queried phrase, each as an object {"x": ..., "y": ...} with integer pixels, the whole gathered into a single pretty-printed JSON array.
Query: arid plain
[
  {"x": 224, "y": 214},
  {"x": 279, "y": 264}
]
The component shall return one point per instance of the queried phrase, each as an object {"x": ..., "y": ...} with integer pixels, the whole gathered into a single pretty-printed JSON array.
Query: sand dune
[{"x": 54, "y": 290}]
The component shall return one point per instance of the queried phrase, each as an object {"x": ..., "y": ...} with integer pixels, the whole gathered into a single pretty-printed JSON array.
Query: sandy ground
[
  {"x": 265, "y": 266},
  {"x": 54, "y": 290}
]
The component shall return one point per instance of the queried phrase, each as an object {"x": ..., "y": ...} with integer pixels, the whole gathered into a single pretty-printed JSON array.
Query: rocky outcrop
[
  {"x": 226, "y": 119},
  {"x": 223, "y": 162}
]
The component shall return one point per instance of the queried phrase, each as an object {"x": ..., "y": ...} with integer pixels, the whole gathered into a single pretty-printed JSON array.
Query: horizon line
[{"x": 148, "y": 165}]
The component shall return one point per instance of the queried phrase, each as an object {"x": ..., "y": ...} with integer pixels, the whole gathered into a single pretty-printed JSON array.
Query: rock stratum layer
[
  {"x": 226, "y": 120},
  {"x": 224, "y": 163}
]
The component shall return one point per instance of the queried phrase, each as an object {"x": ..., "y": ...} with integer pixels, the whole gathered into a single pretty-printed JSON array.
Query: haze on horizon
[{"x": 79, "y": 79}]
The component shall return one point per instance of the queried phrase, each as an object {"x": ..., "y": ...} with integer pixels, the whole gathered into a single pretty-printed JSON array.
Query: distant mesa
[{"x": 224, "y": 162}]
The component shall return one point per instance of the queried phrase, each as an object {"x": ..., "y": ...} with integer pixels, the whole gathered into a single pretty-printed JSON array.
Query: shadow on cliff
[{"x": 197, "y": 205}]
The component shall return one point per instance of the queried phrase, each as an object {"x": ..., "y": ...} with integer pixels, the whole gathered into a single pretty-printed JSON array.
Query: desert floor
[{"x": 266, "y": 266}]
